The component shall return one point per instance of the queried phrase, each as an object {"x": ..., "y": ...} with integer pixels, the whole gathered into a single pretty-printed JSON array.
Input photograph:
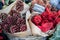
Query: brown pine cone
[
  {"x": 14, "y": 29},
  {"x": 23, "y": 28},
  {"x": 19, "y": 6}
]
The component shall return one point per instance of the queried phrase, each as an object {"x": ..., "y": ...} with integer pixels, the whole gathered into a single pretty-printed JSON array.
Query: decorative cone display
[{"x": 30, "y": 20}]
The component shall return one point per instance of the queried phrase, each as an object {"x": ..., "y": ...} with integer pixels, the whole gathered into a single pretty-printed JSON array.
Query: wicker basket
[
  {"x": 19, "y": 34},
  {"x": 36, "y": 30}
]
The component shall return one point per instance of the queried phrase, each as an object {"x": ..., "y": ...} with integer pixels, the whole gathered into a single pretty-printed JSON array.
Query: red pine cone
[
  {"x": 44, "y": 21},
  {"x": 47, "y": 26},
  {"x": 36, "y": 19}
]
